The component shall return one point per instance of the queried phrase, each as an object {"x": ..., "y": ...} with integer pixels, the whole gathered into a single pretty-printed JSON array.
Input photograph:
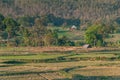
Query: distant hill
[{"x": 85, "y": 10}]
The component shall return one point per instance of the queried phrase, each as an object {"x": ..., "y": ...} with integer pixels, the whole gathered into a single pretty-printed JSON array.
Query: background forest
[
  {"x": 46, "y": 22},
  {"x": 85, "y": 10}
]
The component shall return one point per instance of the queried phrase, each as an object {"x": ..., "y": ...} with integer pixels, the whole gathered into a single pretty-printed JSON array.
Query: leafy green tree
[
  {"x": 38, "y": 33},
  {"x": 12, "y": 27},
  {"x": 50, "y": 38},
  {"x": 43, "y": 21},
  {"x": 95, "y": 35},
  {"x": 70, "y": 43},
  {"x": 1, "y": 17},
  {"x": 2, "y": 27},
  {"x": 24, "y": 38},
  {"x": 62, "y": 41},
  {"x": 26, "y": 21}
]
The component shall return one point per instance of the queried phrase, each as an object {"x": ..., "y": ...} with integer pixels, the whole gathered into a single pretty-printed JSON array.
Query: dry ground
[
  {"x": 43, "y": 49},
  {"x": 57, "y": 70},
  {"x": 50, "y": 71}
]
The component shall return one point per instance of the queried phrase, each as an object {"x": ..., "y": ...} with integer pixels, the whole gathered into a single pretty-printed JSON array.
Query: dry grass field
[{"x": 59, "y": 63}]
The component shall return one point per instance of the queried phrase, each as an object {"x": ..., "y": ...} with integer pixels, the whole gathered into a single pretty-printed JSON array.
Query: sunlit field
[{"x": 72, "y": 63}]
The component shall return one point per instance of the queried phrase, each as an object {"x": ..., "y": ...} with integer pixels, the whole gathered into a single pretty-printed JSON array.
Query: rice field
[{"x": 56, "y": 65}]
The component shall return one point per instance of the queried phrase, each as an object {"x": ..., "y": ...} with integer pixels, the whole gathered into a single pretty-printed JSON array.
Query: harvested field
[{"x": 69, "y": 64}]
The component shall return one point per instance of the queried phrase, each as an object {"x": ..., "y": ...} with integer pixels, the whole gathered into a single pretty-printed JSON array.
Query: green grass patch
[
  {"x": 36, "y": 56},
  {"x": 92, "y": 55}
]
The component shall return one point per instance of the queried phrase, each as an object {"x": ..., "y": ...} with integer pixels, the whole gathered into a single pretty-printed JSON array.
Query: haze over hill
[{"x": 85, "y": 10}]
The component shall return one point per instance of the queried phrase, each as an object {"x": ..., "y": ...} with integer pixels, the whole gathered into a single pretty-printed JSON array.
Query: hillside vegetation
[
  {"x": 85, "y": 10},
  {"x": 49, "y": 22}
]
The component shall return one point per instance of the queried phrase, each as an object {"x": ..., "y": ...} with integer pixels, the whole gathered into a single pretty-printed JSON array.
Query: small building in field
[
  {"x": 87, "y": 46},
  {"x": 73, "y": 28}
]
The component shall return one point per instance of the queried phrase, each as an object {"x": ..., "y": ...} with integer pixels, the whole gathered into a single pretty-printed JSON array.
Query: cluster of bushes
[
  {"x": 96, "y": 34},
  {"x": 47, "y": 20},
  {"x": 33, "y": 31},
  {"x": 113, "y": 44}
]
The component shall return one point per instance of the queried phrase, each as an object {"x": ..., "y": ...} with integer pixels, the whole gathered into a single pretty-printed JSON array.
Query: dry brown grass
[
  {"x": 50, "y": 71},
  {"x": 44, "y": 49},
  {"x": 98, "y": 71}
]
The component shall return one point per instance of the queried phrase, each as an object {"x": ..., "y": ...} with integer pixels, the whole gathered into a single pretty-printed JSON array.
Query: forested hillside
[
  {"x": 85, "y": 10},
  {"x": 37, "y": 22}
]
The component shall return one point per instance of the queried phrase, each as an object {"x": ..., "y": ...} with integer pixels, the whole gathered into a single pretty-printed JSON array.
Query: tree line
[
  {"x": 34, "y": 31},
  {"x": 85, "y": 10},
  {"x": 19, "y": 33},
  {"x": 47, "y": 20},
  {"x": 96, "y": 34}
]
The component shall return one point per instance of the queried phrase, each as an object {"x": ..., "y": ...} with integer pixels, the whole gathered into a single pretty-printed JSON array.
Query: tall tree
[
  {"x": 2, "y": 27},
  {"x": 12, "y": 27},
  {"x": 50, "y": 38},
  {"x": 25, "y": 35},
  {"x": 95, "y": 34}
]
